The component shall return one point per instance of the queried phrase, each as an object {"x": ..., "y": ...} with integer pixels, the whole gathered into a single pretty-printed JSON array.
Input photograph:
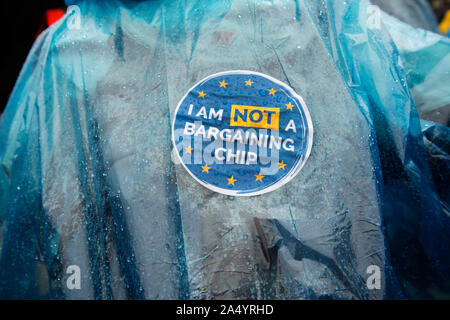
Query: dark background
[
  {"x": 439, "y": 7},
  {"x": 22, "y": 21}
]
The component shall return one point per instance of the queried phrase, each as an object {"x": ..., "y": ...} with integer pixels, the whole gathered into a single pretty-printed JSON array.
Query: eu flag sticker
[{"x": 242, "y": 133}]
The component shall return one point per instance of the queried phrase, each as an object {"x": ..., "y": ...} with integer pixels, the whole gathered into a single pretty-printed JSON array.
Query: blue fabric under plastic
[{"x": 88, "y": 179}]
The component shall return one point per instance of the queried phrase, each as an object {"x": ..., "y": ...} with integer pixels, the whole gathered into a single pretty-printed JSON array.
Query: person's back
[{"x": 113, "y": 198}]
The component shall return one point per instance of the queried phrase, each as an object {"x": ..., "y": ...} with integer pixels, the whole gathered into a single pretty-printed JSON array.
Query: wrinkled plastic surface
[
  {"x": 416, "y": 226},
  {"x": 416, "y": 13},
  {"x": 425, "y": 56},
  {"x": 88, "y": 179}
]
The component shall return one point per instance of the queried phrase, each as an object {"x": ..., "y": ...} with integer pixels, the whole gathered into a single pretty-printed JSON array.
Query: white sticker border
[{"x": 294, "y": 170}]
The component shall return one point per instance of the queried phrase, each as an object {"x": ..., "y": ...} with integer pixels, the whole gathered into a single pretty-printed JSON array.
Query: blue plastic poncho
[
  {"x": 89, "y": 177},
  {"x": 417, "y": 13}
]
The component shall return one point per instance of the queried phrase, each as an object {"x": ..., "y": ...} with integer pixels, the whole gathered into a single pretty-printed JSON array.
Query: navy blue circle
[{"x": 251, "y": 103}]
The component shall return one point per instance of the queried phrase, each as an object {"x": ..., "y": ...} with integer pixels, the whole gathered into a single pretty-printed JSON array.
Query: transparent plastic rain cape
[{"x": 89, "y": 177}]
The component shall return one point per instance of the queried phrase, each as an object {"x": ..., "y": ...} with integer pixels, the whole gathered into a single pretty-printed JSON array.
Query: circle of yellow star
[
  {"x": 259, "y": 177},
  {"x": 289, "y": 106},
  {"x": 206, "y": 168},
  {"x": 231, "y": 180},
  {"x": 249, "y": 82},
  {"x": 282, "y": 165},
  {"x": 188, "y": 150},
  {"x": 223, "y": 84},
  {"x": 201, "y": 94},
  {"x": 272, "y": 91}
]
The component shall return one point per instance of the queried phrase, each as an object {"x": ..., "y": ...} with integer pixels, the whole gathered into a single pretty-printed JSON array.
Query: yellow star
[
  {"x": 272, "y": 91},
  {"x": 223, "y": 84},
  {"x": 281, "y": 165},
  {"x": 188, "y": 149},
  {"x": 201, "y": 94},
  {"x": 232, "y": 180},
  {"x": 206, "y": 168},
  {"x": 289, "y": 106},
  {"x": 249, "y": 82},
  {"x": 259, "y": 177}
]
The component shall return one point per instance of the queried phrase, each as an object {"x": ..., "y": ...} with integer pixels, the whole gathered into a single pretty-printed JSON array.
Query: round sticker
[{"x": 242, "y": 133}]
